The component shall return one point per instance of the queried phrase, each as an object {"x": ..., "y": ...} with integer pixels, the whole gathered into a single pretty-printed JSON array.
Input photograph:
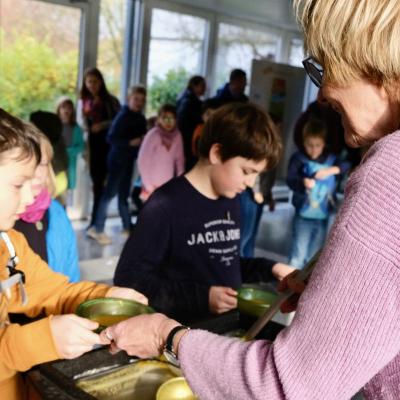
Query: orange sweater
[{"x": 22, "y": 347}]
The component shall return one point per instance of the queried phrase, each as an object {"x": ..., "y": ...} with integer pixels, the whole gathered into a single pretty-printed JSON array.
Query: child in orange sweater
[{"x": 27, "y": 285}]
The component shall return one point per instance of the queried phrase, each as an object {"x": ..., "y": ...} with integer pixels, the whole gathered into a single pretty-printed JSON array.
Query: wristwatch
[{"x": 168, "y": 351}]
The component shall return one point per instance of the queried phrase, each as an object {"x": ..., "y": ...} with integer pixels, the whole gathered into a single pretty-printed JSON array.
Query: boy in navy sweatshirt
[
  {"x": 185, "y": 251},
  {"x": 125, "y": 136}
]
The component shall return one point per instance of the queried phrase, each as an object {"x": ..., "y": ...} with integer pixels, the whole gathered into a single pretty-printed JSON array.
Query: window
[
  {"x": 238, "y": 46},
  {"x": 175, "y": 53},
  {"x": 111, "y": 42},
  {"x": 39, "y": 54},
  {"x": 296, "y": 52}
]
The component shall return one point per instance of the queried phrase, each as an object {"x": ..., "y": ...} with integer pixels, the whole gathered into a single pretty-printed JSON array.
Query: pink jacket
[
  {"x": 346, "y": 332},
  {"x": 157, "y": 164}
]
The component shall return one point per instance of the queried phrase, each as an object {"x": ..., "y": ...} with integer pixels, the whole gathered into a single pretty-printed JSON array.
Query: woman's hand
[
  {"x": 127, "y": 293},
  {"x": 143, "y": 336},
  {"x": 281, "y": 270},
  {"x": 221, "y": 299},
  {"x": 73, "y": 335},
  {"x": 293, "y": 283}
]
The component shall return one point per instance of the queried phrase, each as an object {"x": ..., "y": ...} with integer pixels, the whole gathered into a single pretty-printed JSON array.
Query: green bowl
[
  {"x": 108, "y": 311},
  {"x": 254, "y": 302}
]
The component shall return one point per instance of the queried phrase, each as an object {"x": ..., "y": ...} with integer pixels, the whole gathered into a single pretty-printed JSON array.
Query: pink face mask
[{"x": 35, "y": 211}]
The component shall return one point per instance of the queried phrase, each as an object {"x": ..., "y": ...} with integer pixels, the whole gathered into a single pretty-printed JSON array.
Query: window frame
[
  {"x": 143, "y": 20},
  {"x": 149, "y": 6},
  {"x": 89, "y": 32}
]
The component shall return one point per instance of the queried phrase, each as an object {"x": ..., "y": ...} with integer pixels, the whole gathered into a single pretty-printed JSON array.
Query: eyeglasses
[
  {"x": 313, "y": 71},
  {"x": 168, "y": 119}
]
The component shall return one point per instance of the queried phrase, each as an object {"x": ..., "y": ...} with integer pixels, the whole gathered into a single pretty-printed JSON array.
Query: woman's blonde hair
[
  {"x": 48, "y": 149},
  {"x": 353, "y": 39}
]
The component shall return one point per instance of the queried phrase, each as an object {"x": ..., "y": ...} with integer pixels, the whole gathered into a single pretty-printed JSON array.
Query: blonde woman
[
  {"x": 346, "y": 332},
  {"x": 45, "y": 223}
]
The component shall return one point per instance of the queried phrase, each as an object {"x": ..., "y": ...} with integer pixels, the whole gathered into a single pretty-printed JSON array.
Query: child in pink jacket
[{"x": 161, "y": 153}]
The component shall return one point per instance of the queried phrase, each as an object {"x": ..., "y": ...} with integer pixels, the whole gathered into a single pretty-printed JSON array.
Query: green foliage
[
  {"x": 34, "y": 76},
  {"x": 166, "y": 90}
]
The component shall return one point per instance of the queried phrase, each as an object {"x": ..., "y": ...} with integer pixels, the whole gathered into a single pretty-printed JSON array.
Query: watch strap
[{"x": 170, "y": 338}]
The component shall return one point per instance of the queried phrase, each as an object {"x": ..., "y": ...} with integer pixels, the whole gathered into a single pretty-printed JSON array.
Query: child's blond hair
[{"x": 47, "y": 148}]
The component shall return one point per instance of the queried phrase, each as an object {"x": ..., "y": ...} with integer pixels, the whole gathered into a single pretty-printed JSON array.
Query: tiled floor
[{"x": 98, "y": 262}]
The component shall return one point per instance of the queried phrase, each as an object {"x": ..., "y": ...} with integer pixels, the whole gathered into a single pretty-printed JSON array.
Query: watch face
[{"x": 171, "y": 357}]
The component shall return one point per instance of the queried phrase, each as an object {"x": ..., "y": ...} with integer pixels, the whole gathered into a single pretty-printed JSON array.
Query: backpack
[{"x": 318, "y": 199}]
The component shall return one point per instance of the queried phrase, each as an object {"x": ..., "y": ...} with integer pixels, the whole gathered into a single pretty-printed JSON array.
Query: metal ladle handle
[{"x": 271, "y": 311}]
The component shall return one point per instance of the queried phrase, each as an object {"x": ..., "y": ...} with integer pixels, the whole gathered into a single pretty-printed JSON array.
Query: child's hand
[
  {"x": 135, "y": 142},
  {"x": 145, "y": 194},
  {"x": 309, "y": 183},
  {"x": 126, "y": 293},
  {"x": 221, "y": 299},
  {"x": 293, "y": 283},
  {"x": 258, "y": 197},
  {"x": 325, "y": 172},
  {"x": 96, "y": 128},
  {"x": 73, "y": 335}
]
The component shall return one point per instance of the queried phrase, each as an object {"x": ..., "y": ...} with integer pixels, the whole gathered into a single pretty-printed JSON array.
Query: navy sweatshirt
[
  {"x": 127, "y": 125},
  {"x": 184, "y": 243}
]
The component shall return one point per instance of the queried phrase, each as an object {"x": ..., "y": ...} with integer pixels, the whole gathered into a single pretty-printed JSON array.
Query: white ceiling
[{"x": 277, "y": 13}]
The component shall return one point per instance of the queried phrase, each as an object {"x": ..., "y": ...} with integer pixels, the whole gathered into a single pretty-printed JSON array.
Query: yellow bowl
[{"x": 175, "y": 389}]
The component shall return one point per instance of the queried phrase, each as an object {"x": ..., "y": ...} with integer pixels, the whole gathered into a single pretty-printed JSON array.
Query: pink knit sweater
[
  {"x": 156, "y": 163},
  {"x": 346, "y": 332}
]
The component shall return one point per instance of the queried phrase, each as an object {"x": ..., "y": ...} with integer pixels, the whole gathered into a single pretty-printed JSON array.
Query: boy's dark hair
[
  {"x": 137, "y": 89},
  {"x": 237, "y": 74},
  {"x": 210, "y": 104},
  {"x": 314, "y": 128},
  {"x": 195, "y": 80},
  {"x": 17, "y": 134},
  {"x": 242, "y": 130},
  {"x": 84, "y": 92},
  {"x": 167, "y": 108}
]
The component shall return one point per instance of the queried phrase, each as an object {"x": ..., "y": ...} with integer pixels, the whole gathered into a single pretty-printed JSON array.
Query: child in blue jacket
[{"x": 312, "y": 177}]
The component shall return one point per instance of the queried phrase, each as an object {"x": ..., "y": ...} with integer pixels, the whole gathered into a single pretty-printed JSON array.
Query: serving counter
[{"x": 58, "y": 379}]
